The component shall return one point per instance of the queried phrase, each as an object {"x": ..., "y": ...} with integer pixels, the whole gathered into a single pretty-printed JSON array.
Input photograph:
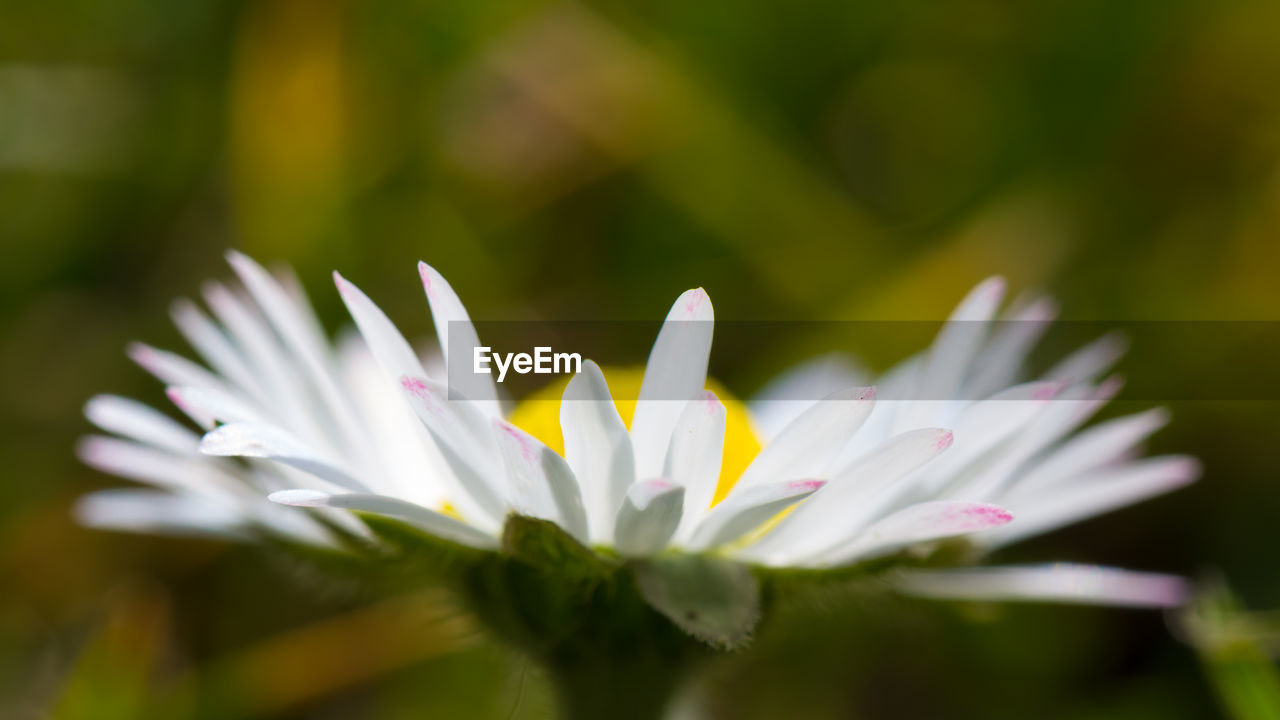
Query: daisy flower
[{"x": 814, "y": 474}]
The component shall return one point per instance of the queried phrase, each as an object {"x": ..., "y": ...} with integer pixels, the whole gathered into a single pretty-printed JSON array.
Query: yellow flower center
[{"x": 539, "y": 415}]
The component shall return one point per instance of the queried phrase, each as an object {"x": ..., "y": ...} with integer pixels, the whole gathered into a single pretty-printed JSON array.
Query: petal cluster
[{"x": 958, "y": 444}]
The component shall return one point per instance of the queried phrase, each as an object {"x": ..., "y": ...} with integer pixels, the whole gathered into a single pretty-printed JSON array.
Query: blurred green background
[{"x": 815, "y": 159}]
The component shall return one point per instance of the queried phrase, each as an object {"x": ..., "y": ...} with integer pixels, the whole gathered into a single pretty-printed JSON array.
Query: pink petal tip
[
  {"x": 425, "y": 272},
  {"x": 978, "y": 517},
  {"x": 527, "y": 450},
  {"x": 807, "y": 485},
  {"x": 416, "y": 386},
  {"x": 1047, "y": 391},
  {"x": 175, "y": 397}
]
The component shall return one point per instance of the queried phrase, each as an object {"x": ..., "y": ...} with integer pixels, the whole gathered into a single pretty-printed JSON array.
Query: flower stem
[
  {"x": 632, "y": 689},
  {"x": 607, "y": 653}
]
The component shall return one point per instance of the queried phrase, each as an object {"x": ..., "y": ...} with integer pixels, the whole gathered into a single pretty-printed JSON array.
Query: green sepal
[
  {"x": 533, "y": 592},
  {"x": 416, "y": 557},
  {"x": 344, "y": 569},
  {"x": 715, "y": 600},
  {"x": 545, "y": 545}
]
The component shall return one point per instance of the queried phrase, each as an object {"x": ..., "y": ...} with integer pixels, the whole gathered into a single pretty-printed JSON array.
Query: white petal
[
  {"x": 648, "y": 517},
  {"x": 392, "y": 351},
  {"x": 983, "y": 426},
  {"x": 693, "y": 459},
  {"x": 1099, "y": 445},
  {"x": 172, "y": 369},
  {"x": 153, "y": 511},
  {"x": 1089, "y": 361},
  {"x": 893, "y": 392},
  {"x": 960, "y": 340},
  {"x": 436, "y": 523},
  {"x": 288, "y": 401},
  {"x": 410, "y": 465},
  {"x": 293, "y": 324},
  {"x": 455, "y": 428},
  {"x": 292, "y": 287},
  {"x": 923, "y": 522},
  {"x": 791, "y": 393},
  {"x": 454, "y": 324},
  {"x": 1095, "y": 494},
  {"x": 267, "y": 441},
  {"x": 597, "y": 447},
  {"x": 212, "y": 403},
  {"x": 1001, "y": 361},
  {"x": 213, "y": 345},
  {"x": 894, "y": 459},
  {"x": 540, "y": 481},
  {"x": 145, "y": 424},
  {"x": 991, "y": 476},
  {"x": 157, "y": 467},
  {"x": 746, "y": 509},
  {"x": 309, "y": 350},
  {"x": 847, "y": 504},
  {"x": 674, "y": 374},
  {"x": 250, "y": 333},
  {"x": 1062, "y": 582},
  {"x": 812, "y": 441}
]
